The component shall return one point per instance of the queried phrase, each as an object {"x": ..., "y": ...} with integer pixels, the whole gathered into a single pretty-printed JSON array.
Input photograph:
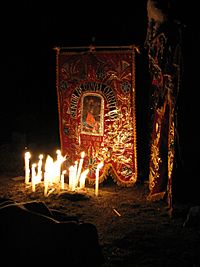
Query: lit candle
[
  {"x": 57, "y": 165},
  {"x": 82, "y": 178},
  {"x": 58, "y": 152},
  {"x": 99, "y": 166},
  {"x": 72, "y": 178},
  {"x": 48, "y": 173},
  {"x": 75, "y": 173},
  {"x": 80, "y": 167},
  {"x": 33, "y": 176},
  {"x": 49, "y": 169},
  {"x": 79, "y": 140},
  {"x": 27, "y": 168},
  {"x": 62, "y": 179},
  {"x": 39, "y": 173},
  {"x": 46, "y": 184}
]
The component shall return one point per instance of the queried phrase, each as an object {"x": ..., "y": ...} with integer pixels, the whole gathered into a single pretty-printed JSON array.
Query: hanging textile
[
  {"x": 163, "y": 43},
  {"x": 96, "y": 104}
]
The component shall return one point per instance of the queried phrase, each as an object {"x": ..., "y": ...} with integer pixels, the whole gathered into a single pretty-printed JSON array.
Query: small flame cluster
[{"x": 53, "y": 173}]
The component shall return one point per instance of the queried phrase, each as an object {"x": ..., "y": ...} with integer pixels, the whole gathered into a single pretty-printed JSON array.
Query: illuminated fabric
[
  {"x": 96, "y": 103},
  {"x": 163, "y": 44}
]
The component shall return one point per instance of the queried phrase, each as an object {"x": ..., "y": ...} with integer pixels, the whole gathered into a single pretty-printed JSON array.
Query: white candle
[
  {"x": 62, "y": 179},
  {"x": 33, "y": 176},
  {"x": 99, "y": 166},
  {"x": 82, "y": 178},
  {"x": 39, "y": 173},
  {"x": 46, "y": 183},
  {"x": 80, "y": 167},
  {"x": 27, "y": 168},
  {"x": 72, "y": 178},
  {"x": 57, "y": 166},
  {"x": 58, "y": 152},
  {"x": 79, "y": 140},
  {"x": 49, "y": 169},
  {"x": 75, "y": 174}
]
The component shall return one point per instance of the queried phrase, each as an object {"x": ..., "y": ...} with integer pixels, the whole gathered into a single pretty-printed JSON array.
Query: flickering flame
[
  {"x": 62, "y": 179},
  {"x": 27, "y": 167},
  {"x": 39, "y": 172},
  {"x": 53, "y": 173},
  {"x": 99, "y": 166},
  {"x": 49, "y": 170},
  {"x": 33, "y": 176},
  {"x": 82, "y": 154},
  {"x": 80, "y": 168},
  {"x": 83, "y": 178},
  {"x": 72, "y": 178}
]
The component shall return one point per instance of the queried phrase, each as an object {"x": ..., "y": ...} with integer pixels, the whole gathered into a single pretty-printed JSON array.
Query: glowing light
[
  {"x": 33, "y": 176},
  {"x": 72, "y": 178},
  {"x": 52, "y": 173},
  {"x": 62, "y": 179},
  {"x": 83, "y": 178},
  {"x": 39, "y": 172},
  {"x": 27, "y": 167},
  {"x": 57, "y": 166},
  {"x": 49, "y": 169},
  {"x": 99, "y": 166},
  {"x": 80, "y": 167}
]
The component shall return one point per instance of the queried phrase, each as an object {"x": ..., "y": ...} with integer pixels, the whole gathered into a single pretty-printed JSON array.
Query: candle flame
[
  {"x": 83, "y": 178},
  {"x": 53, "y": 173},
  {"x": 27, "y": 169},
  {"x": 27, "y": 155},
  {"x": 82, "y": 154},
  {"x": 100, "y": 165}
]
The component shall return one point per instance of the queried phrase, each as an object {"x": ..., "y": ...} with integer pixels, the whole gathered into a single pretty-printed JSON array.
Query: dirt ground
[{"x": 132, "y": 231}]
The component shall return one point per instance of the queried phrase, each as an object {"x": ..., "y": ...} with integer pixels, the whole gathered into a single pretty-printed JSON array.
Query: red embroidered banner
[{"x": 96, "y": 104}]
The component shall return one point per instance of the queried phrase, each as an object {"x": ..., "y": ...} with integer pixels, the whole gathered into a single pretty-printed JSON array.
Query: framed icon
[{"x": 92, "y": 109}]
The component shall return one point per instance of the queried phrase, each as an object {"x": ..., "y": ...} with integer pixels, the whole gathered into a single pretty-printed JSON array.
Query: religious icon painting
[
  {"x": 92, "y": 114},
  {"x": 96, "y": 107}
]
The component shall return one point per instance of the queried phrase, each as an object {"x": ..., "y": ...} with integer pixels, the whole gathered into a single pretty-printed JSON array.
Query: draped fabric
[
  {"x": 163, "y": 43},
  {"x": 96, "y": 104}
]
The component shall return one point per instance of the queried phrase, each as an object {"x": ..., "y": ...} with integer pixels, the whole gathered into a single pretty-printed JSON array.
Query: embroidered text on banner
[{"x": 96, "y": 103}]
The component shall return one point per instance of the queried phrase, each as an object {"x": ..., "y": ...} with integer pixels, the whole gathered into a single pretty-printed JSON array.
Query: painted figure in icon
[{"x": 91, "y": 114}]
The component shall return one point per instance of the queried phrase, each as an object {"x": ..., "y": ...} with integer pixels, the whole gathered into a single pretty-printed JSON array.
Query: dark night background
[{"x": 31, "y": 29}]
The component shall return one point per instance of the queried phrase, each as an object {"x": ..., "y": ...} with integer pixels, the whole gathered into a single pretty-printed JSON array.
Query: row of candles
[{"x": 53, "y": 173}]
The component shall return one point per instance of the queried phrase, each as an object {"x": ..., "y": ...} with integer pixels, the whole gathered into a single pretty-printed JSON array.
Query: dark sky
[{"x": 31, "y": 29}]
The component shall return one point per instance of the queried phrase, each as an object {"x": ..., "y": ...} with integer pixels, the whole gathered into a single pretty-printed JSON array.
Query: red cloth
[{"x": 96, "y": 104}]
